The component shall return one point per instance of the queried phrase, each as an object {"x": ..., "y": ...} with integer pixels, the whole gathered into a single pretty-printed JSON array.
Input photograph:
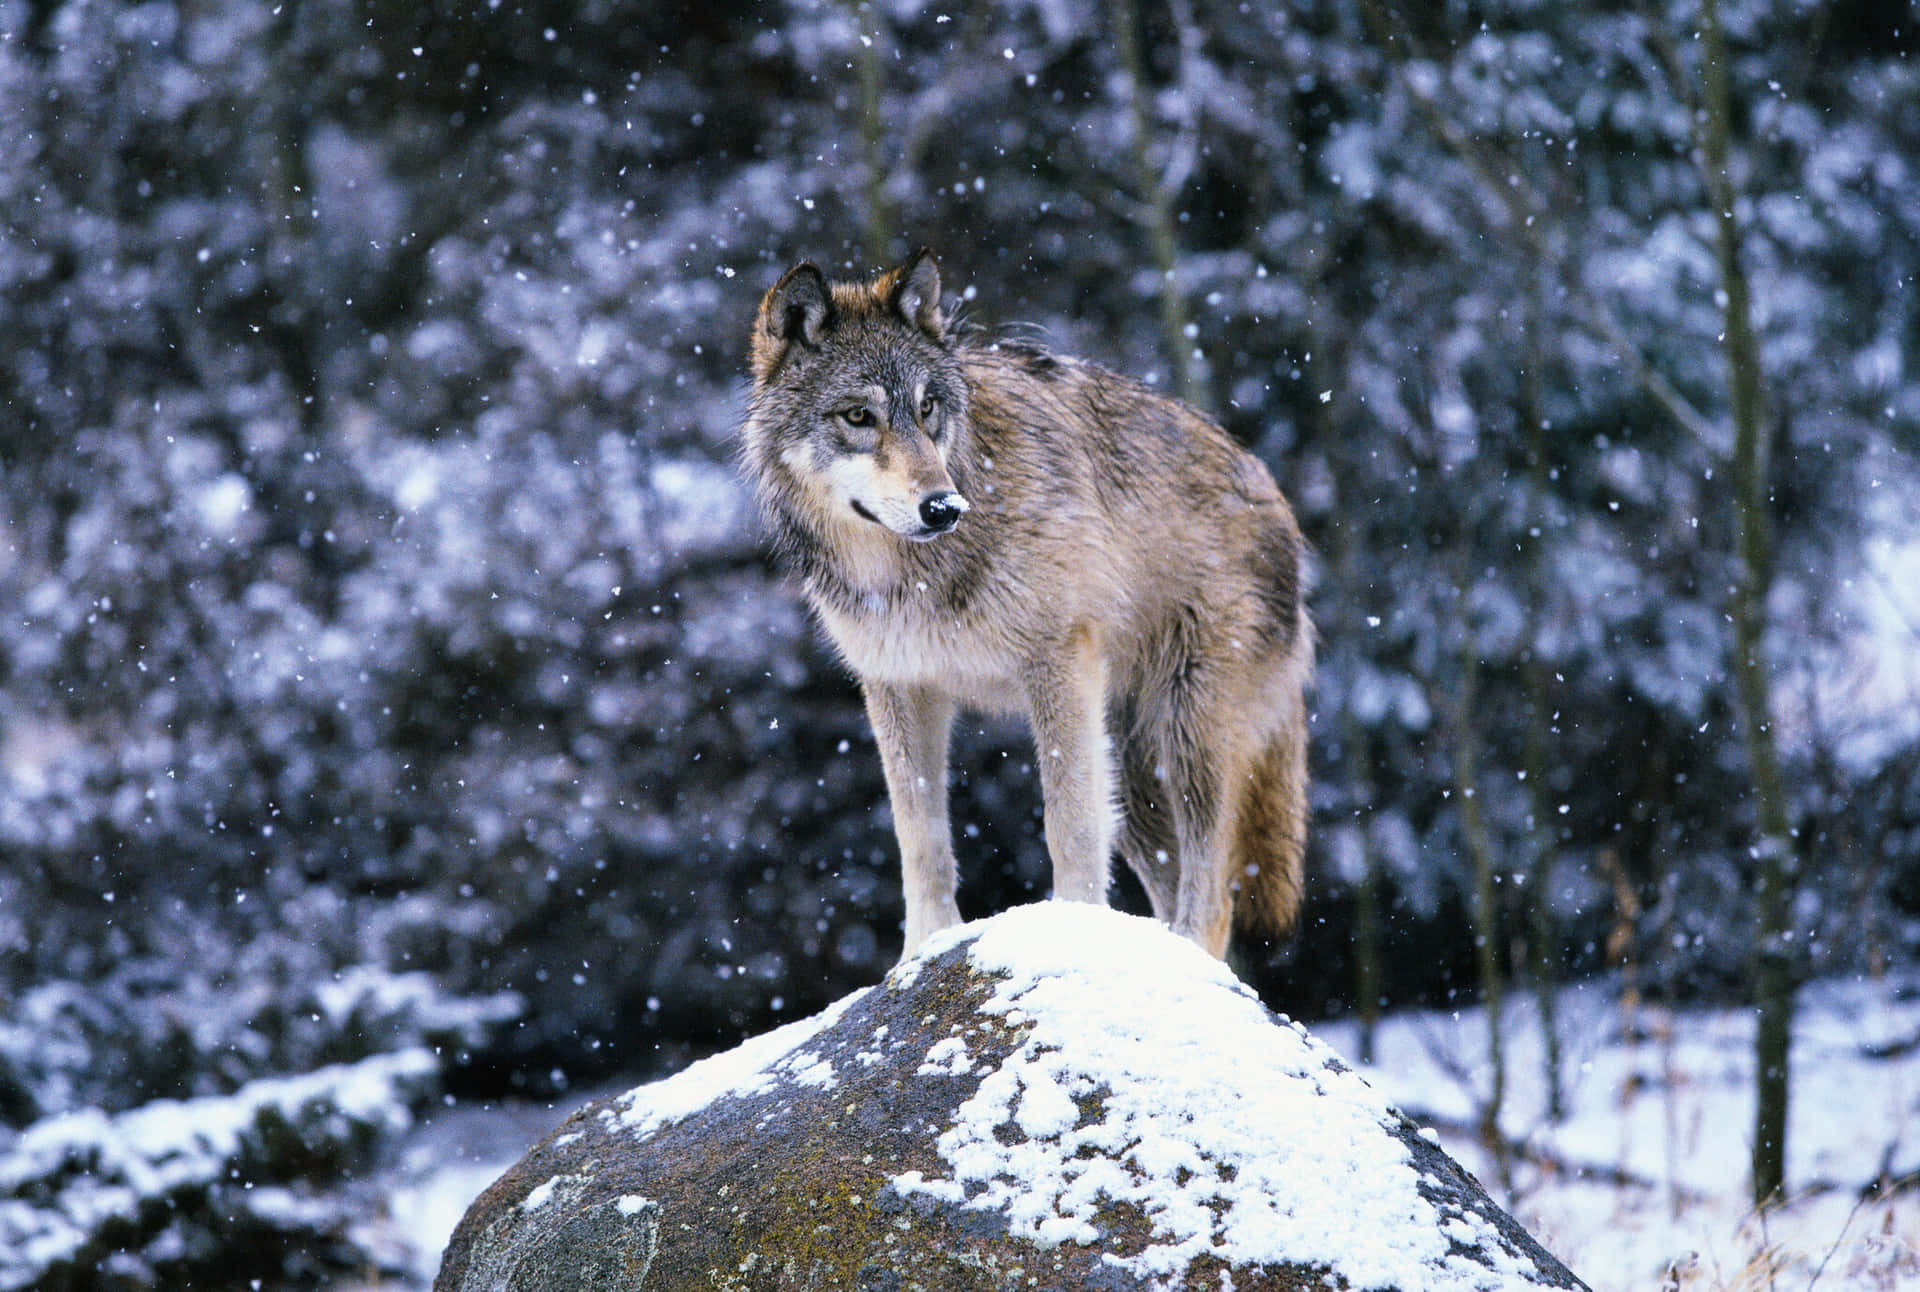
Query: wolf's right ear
[
  {"x": 799, "y": 309},
  {"x": 913, "y": 290}
]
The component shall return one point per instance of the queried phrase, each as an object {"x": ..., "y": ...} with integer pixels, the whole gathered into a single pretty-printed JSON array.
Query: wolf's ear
[
  {"x": 915, "y": 294},
  {"x": 799, "y": 309}
]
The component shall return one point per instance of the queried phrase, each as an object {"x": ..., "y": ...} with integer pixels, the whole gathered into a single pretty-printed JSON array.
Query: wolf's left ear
[
  {"x": 798, "y": 309},
  {"x": 916, "y": 294}
]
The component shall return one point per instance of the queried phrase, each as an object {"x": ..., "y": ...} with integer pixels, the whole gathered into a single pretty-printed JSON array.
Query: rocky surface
[{"x": 1060, "y": 1097}]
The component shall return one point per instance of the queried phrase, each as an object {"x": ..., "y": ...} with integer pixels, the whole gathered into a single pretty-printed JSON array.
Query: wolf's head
[{"x": 859, "y": 403}]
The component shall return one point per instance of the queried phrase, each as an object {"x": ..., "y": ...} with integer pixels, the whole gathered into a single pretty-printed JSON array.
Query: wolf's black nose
[{"x": 941, "y": 511}]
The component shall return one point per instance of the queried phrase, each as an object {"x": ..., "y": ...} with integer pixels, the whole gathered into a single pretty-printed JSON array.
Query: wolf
[{"x": 981, "y": 524}]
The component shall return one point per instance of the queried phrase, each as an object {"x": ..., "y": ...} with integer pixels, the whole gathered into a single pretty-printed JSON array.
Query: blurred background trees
[{"x": 378, "y": 593}]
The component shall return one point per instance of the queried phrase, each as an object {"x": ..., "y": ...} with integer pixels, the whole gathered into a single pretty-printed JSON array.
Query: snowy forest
[{"x": 398, "y": 702}]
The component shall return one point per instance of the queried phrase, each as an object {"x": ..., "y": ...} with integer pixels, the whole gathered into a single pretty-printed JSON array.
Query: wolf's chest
[{"x": 908, "y": 639}]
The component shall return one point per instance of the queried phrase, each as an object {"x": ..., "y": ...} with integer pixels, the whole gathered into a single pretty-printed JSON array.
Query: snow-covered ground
[{"x": 1641, "y": 1185}]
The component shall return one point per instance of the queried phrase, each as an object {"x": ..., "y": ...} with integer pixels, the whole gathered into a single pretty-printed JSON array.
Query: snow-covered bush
[
  {"x": 202, "y": 1192},
  {"x": 154, "y": 1027}
]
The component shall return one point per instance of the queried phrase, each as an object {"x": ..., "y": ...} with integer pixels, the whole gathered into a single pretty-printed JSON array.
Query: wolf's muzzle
[{"x": 940, "y": 512}]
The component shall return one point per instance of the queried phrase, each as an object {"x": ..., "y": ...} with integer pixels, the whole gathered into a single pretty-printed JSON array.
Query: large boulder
[{"x": 1060, "y": 1097}]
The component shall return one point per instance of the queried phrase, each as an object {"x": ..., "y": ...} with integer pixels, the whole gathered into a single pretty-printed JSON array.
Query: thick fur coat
[{"x": 985, "y": 525}]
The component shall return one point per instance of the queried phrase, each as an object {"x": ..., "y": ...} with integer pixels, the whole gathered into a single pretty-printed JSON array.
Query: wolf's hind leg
[
  {"x": 1146, "y": 830},
  {"x": 1208, "y": 777},
  {"x": 1203, "y": 910},
  {"x": 912, "y": 725}
]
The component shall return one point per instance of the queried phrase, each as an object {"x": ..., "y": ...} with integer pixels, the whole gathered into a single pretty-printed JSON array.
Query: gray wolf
[{"x": 981, "y": 524}]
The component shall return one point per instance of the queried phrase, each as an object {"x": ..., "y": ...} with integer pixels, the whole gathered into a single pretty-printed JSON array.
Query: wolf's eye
[
  {"x": 927, "y": 404},
  {"x": 858, "y": 415}
]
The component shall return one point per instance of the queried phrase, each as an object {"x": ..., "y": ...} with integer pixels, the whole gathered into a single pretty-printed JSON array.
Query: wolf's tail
[{"x": 1270, "y": 838}]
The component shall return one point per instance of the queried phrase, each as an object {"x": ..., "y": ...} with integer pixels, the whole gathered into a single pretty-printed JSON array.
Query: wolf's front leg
[
  {"x": 911, "y": 724},
  {"x": 1066, "y": 701}
]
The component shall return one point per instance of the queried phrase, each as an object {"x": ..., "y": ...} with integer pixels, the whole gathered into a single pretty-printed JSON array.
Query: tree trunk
[
  {"x": 1156, "y": 207},
  {"x": 1543, "y": 952},
  {"x": 1542, "y": 949},
  {"x": 1773, "y": 969},
  {"x": 877, "y": 236},
  {"x": 1369, "y": 980},
  {"x": 1486, "y": 910},
  {"x": 1368, "y": 976}
]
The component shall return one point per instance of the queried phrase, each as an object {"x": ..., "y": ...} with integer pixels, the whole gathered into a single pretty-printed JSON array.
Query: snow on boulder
[{"x": 1061, "y": 1096}]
